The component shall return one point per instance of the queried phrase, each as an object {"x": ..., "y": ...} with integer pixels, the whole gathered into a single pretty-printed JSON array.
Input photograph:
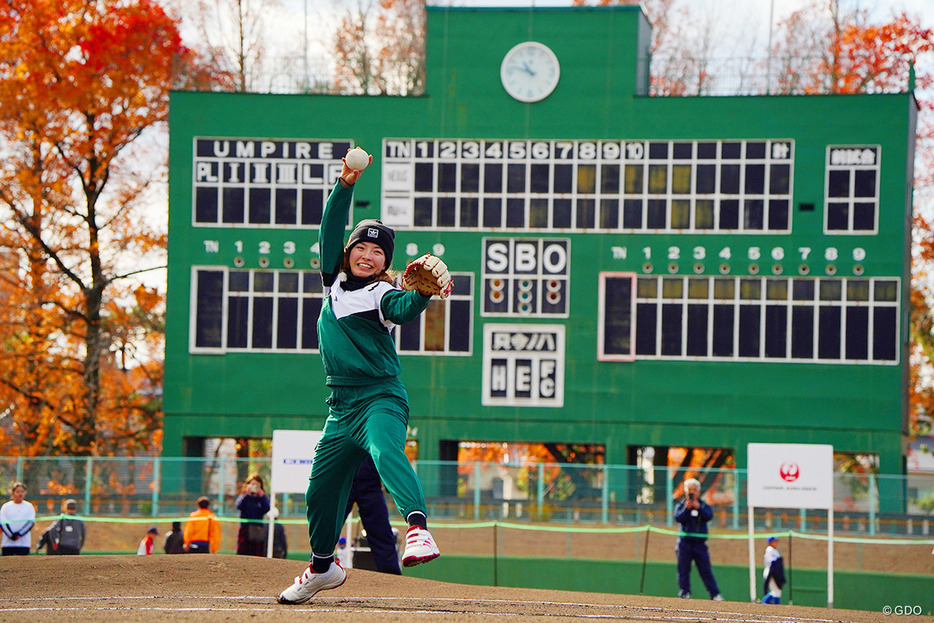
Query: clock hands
[{"x": 524, "y": 67}]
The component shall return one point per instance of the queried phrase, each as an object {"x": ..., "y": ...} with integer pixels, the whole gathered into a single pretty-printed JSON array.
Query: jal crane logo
[{"x": 789, "y": 472}]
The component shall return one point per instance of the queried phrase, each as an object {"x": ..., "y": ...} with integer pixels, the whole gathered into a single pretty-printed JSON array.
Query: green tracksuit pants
[{"x": 361, "y": 419}]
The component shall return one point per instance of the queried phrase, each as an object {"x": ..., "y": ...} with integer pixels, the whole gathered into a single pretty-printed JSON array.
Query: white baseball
[{"x": 357, "y": 159}]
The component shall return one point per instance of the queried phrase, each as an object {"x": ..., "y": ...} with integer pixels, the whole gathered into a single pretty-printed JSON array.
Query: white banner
[
  {"x": 790, "y": 475},
  {"x": 292, "y": 453}
]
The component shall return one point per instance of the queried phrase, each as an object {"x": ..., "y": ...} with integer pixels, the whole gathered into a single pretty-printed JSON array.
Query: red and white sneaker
[
  {"x": 309, "y": 583},
  {"x": 419, "y": 547}
]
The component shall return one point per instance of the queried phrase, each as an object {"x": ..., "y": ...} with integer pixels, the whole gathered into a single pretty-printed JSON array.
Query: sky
[
  {"x": 316, "y": 19},
  {"x": 759, "y": 8},
  {"x": 757, "y": 11},
  {"x": 294, "y": 21}
]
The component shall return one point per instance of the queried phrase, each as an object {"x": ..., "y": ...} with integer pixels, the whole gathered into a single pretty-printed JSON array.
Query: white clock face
[{"x": 530, "y": 71}]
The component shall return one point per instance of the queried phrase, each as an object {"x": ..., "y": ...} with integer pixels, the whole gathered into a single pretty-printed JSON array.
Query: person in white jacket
[
  {"x": 17, "y": 518},
  {"x": 147, "y": 544},
  {"x": 773, "y": 574}
]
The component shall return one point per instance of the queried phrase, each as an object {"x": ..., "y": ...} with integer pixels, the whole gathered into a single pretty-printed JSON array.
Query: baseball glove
[{"x": 429, "y": 275}]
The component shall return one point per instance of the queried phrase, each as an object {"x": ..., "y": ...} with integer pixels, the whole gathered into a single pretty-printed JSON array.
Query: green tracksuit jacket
[{"x": 369, "y": 408}]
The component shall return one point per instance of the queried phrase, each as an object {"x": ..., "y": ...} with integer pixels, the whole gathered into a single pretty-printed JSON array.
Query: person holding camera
[
  {"x": 693, "y": 514},
  {"x": 253, "y": 504}
]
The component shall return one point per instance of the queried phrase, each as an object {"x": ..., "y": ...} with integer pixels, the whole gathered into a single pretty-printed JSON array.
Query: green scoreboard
[{"x": 629, "y": 270}]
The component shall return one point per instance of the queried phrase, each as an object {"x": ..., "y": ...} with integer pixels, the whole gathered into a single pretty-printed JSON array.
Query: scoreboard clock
[{"x": 530, "y": 71}]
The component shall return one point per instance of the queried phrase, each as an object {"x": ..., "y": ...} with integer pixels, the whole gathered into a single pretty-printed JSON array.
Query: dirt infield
[
  {"x": 555, "y": 540},
  {"x": 195, "y": 589}
]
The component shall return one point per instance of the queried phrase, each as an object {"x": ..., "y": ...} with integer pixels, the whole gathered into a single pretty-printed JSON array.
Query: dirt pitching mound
[{"x": 195, "y": 589}]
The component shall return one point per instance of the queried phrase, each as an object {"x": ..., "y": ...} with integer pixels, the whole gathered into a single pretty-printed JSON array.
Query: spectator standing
[
  {"x": 367, "y": 493},
  {"x": 65, "y": 537},
  {"x": 693, "y": 514},
  {"x": 280, "y": 546},
  {"x": 146, "y": 545},
  {"x": 174, "y": 542},
  {"x": 253, "y": 504},
  {"x": 17, "y": 518},
  {"x": 202, "y": 530},
  {"x": 773, "y": 574},
  {"x": 342, "y": 553}
]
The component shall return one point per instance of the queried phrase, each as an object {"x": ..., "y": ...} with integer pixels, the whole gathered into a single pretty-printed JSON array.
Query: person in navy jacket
[
  {"x": 367, "y": 493},
  {"x": 253, "y": 504},
  {"x": 693, "y": 514}
]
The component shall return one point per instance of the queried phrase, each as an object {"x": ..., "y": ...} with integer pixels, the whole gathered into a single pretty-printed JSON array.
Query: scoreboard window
[
  {"x": 254, "y": 310},
  {"x": 245, "y": 182},
  {"x": 739, "y": 186},
  {"x": 238, "y": 310},
  {"x": 616, "y": 331},
  {"x": 446, "y": 327},
  {"x": 823, "y": 320},
  {"x": 852, "y": 189}
]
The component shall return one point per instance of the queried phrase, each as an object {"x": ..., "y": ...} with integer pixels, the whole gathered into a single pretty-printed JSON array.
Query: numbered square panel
[
  {"x": 742, "y": 186},
  {"x": 446, "y": 327},
  {"x": 807, "y": 320},
  {"x": 252, "y": 310}
]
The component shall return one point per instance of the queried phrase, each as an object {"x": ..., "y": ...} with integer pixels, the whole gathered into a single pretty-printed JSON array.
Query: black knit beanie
[{"x": 373, "y": 230}]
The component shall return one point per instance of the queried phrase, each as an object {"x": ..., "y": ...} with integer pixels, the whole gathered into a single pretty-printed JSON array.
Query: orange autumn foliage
[
  {"x": 921, "y": 325},
  {"x": 80, "y": 82},
  {"x": 380, "y": 50},
  {"x": 821, "y": 50}
]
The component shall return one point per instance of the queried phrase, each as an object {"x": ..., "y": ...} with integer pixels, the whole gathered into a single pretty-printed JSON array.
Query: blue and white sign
[{"x": 292, "y": 454}]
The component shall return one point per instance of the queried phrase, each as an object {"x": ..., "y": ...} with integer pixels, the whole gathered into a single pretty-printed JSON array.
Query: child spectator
[
  {"x": 146, "y": 545},
  {"x": 773, "y": 573}
]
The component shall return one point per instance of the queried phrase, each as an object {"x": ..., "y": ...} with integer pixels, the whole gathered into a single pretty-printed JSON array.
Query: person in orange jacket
[{"x": 202, "y": 530}]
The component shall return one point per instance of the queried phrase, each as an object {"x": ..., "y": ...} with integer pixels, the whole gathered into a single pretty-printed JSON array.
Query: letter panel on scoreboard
[
  {"x": 526, "y": 277},
  {"x": 256, "y": 183}
]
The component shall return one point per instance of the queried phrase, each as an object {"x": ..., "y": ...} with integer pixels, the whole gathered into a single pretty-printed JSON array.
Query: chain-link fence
[{"x": 607, "y": 495}]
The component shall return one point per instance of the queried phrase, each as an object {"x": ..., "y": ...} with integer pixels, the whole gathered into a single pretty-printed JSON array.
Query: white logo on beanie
[{"x": 372, "y": 232}]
